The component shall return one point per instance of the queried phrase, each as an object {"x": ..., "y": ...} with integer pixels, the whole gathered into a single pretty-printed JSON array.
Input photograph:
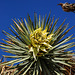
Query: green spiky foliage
[
  {"x": 0, "y": 66},
  {"x": 39, "y": 47},
  {"x": 5, "y": 69}
]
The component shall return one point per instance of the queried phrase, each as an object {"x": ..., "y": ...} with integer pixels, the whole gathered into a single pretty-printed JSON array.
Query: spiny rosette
[
  {"x": 40, "y": 42},
  {"x": 39, "y": 47}
]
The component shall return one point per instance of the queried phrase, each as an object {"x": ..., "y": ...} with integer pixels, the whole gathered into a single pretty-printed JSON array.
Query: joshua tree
[
  {"x": 68, "y": 7},
  {"x": 38, "y": 47},
  {"x": 5, "y": 69}
]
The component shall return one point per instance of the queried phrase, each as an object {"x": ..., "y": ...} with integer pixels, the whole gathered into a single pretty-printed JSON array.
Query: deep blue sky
[{"x": 20, "y": 8}]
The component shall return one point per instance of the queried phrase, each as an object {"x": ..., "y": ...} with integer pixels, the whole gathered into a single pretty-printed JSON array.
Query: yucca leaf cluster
[{"x": 39, "y": 47}]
